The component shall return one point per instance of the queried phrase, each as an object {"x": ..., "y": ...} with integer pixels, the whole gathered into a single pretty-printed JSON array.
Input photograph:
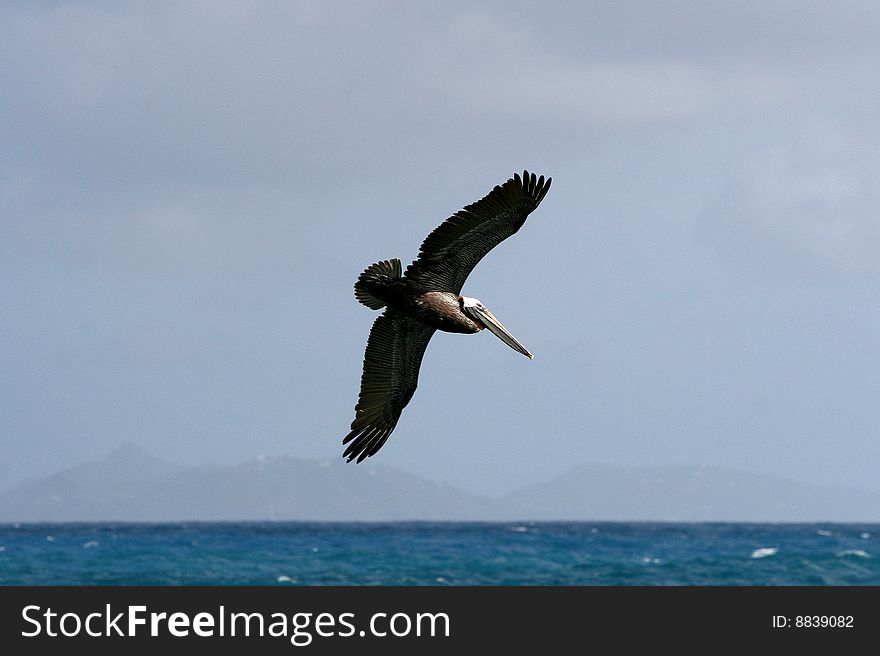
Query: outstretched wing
[
  {"x": 453, "y": 249},
  {"x": 391, "y": 373}
]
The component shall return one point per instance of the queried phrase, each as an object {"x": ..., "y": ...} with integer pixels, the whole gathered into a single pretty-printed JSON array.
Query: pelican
[{"x": 426, "y": 298}]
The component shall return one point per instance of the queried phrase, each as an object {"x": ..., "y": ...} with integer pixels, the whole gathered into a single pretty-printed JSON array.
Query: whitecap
[
  {"x": 763, "y": 552},
  {"x": 824, "y": 533},
  {"x": 652, "y": 561},
  {"x": 854, "y": 552},
  {"x": 865, "y": 536},
  {"x": 90, "y": 544},
  {"x": 2, "y": 548},
  {"x": 519, "y": 529},
  {"x": 50, "y": 538},
  {"x": 284, "y": 579}
]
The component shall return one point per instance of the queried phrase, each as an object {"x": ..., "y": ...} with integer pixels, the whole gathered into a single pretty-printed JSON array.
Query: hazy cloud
[{"x": 805, "y": 206}]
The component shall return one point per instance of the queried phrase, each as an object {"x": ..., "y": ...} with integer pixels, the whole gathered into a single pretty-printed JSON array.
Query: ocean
[{"x": 447, "y": 553}]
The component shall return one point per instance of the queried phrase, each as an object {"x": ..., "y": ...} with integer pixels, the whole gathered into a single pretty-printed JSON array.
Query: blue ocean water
[{"x": 604, "y": 553}]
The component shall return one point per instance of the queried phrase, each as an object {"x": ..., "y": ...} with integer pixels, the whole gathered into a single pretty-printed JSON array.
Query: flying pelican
[{"x": 427, "y": 297}]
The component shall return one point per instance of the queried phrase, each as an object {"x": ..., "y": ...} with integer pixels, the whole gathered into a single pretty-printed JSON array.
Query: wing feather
[
  {"x": 455, "y": 247},
  {"x": 394, "y": 354}
]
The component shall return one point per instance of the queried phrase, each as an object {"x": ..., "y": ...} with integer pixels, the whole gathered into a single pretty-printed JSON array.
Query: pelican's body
[
  {"x": 426, "y": 298},
  {"x": 440, "y": 310}
]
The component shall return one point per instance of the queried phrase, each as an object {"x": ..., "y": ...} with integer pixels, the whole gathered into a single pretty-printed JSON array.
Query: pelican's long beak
[{"x": 482, "y": 314}]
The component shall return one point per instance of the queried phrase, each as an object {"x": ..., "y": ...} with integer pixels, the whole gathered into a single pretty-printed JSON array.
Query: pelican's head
[{"x": 473, "y": 308}]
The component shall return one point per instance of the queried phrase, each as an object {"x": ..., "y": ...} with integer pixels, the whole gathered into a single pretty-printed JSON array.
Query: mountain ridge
[{"x": 131, "y": 484}]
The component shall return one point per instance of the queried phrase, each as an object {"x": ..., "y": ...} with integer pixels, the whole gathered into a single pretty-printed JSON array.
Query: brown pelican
[{"x": 427, "y": 297}]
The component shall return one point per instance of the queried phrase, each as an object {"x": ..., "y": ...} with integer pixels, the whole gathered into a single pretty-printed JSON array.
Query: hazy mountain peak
[{"x": 131, "y": 484}]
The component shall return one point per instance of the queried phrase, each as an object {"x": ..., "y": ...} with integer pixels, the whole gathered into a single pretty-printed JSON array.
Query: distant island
[{"x": 133, "y": 485}]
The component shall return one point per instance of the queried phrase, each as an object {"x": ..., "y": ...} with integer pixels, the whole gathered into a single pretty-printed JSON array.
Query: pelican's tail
[{"x": 376, "y": 275}]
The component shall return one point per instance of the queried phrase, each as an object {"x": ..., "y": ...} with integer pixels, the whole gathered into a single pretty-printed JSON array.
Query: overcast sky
[{"x": 188, "y": 192}]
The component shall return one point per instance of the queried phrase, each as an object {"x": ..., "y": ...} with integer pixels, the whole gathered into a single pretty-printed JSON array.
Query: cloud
[
  {"x": 624, "y": 93},
  {"x": 239, "y": 93},
  {"x": 806, "y": 205}
]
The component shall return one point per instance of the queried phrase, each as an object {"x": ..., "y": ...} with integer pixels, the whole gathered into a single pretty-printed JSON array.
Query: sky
[{"x": 188, "y": 192}]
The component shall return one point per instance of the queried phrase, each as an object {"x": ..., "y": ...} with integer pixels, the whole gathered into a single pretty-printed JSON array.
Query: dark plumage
[{"x": 427, "y": 298}]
